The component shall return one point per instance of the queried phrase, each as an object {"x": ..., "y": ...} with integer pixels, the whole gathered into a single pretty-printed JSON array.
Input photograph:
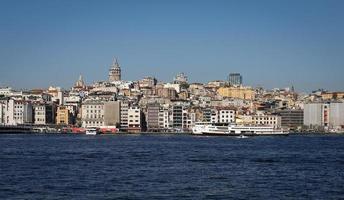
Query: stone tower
[{"x": 115, "y": 71}]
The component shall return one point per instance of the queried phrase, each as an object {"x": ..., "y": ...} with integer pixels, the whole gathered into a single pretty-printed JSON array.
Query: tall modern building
[
  {"x": 153, "y": 111},
  {"x": 336, "y": 115},
  {"x": 115, "y": 71},
  {"x": 316, "y": 114},
  {"x": 112, "y": 113},
  {"x": 124, "y": 114},
  {"x": 235, "y": 79},
  {"x": 329, "y": 115},
  {"x": 291, "y": 118}
]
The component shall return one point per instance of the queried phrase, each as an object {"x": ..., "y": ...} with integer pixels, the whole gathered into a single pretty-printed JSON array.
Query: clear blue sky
[{"x": 273, "y": 43}]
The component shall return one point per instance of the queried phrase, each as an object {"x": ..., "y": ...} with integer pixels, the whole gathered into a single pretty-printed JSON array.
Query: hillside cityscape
[{"x": 148, "y": 105}]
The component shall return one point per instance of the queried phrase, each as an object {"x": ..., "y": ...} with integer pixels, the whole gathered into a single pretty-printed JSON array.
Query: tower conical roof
[{"x": 115, "y": 63}]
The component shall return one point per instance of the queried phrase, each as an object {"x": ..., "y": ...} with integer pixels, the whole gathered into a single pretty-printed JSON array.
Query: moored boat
[
  {"x": 200, "y": 127},
  {"x": 237, "y": 130},
  {"x": 91, "y": 131}
]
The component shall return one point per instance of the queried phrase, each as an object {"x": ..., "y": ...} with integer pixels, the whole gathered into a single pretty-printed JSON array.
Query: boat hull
[{"x": 244, "y": 134}]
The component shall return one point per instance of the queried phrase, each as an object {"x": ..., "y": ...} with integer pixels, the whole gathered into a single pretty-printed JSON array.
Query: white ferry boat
[
  {"x": 200, "y": 127},
  {"x": 236, "y": 130},
  {"x": 91, "y": 131}
]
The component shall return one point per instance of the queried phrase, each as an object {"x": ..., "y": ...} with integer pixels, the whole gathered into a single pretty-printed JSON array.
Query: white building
[
  {"x": 44, "y": 114},
  {"x": 326, "y": 115},
  {"x": 222, "y": 116},
  {"x": 17, "y": 112},
  {"x": 226, "y": 116},
  {"x": 124, "y": 114},
  {"x": 60, "y": 97},
  {"x": 172, "y": 85},
  {"x": 316, "y": 114},
  {"x": 336, "y": 115},
  {"x": 104, "y": 88},
  {"x": 92, "y": 113},
  {"x": 7, "y": 91},
  {"x": 73, "y": 104},
  {"x": 191, "y": 120},
  {"x": 134, "y": 119},
  {"x": 164, "y": 118}
]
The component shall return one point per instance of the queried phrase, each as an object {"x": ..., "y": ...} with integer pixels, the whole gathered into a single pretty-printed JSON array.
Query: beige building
[
  {"x": 243, "y": 119},
  {"x": 268, "y": 120},
  {"x": 271, "y": 120},
  {"x": 332, "y": 95},
  {"x": 92, "y": 113},
  {"x": 63, "y": 115},
  {"x": 112, "y": 113},
  {"x": 246, "y": 93},
  {"x": 44, "y": 114},
  {"x": 169, "y": 93}
]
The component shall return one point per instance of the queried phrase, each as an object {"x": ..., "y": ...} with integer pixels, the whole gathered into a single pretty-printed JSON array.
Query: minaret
[{"x": 115, "y": 71}]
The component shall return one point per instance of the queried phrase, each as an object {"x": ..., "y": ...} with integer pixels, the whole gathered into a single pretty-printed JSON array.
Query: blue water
[{"x": 171, "y": 167}]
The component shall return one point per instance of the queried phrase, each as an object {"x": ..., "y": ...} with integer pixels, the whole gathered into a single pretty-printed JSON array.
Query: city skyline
[{"x": 272, "y": 44}]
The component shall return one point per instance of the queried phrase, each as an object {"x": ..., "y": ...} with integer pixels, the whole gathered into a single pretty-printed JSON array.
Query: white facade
[
  {"x": 92, "y": 113},
  {"x": 39, "y": 111},
  {"x": 336, "y": 115},
  {"x": 172, "y": 85},
  {"x": 73, "y": 104},
  {"x": 191, "y": 120},
  {"x": 124, "y": 114},
  {"x": 17, "y": 112},
  {"x": 60, "y": 97},
  {"x": 134, "y": 117},
  {"x": 222, "y": 116},
  {"x": 113, "y": 89},
  {"x": 44, "y": 114},
  {"x": 226, "y": 116},
  {"x": 316, "y": 114},
  {"x": 7, "y": 91},
  {"x": 164, "y": 119}
]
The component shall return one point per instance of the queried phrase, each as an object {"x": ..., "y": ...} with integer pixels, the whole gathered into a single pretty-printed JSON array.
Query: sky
[{"x": 272, "y": 43}]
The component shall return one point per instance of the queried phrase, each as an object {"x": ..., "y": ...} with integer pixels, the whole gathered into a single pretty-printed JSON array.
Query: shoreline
[
  {"x": 31, "y": 130},
  {"x": 167, "y": 133}
]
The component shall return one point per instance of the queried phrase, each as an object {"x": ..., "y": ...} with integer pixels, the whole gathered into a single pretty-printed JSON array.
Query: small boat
[
  {"x": 91, "y": 131},
  {"x": 242, "y": 136}
]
